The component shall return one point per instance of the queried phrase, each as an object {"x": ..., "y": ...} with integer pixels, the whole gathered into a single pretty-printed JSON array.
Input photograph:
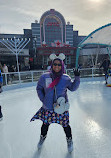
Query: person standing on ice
[
  {"x": 105, "y": 66},
  {"x": 1, "y": 82},
  {"x": 52, "y": 87},
  {"x": 108, "y": 72}
]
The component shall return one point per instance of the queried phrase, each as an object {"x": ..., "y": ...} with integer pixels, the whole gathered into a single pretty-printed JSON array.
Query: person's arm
[
  {"x": 103, "y": 64},
  {"x": 73, "y": 85},
  {"x": 40, "y": 88}
]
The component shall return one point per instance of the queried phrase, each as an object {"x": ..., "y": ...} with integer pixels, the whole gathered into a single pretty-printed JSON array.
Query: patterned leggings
[{"x": 67, "y": 130}]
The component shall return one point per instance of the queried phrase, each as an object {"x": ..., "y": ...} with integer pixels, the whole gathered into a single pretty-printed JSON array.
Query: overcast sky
[{"x": 85, "y": 15}]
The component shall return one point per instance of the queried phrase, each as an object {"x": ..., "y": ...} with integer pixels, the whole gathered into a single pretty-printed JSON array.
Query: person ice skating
[
  {"x": 105, "y": 66},
  {"x": 1, "y": 68},
  {"x": 51, "y": 87},
  {"x": 109, "y": 69},
  {"x": 108, "y": 72},
  {"x": 1, "y": 81}
]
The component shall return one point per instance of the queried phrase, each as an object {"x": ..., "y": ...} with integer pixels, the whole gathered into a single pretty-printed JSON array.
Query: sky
[{"x": 84, "y": 15}]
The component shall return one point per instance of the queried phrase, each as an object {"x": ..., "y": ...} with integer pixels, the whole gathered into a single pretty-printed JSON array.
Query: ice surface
[{"x": 90, "y": 119}]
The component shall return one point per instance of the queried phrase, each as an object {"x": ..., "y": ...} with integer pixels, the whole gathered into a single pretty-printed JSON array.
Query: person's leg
[
  {"x": 0, "y": 87},
  {"x": 106, "y": 76},
  {"x": 106, "y": 79},
  {"x": 44, "y": 130},
  {"x": 1, "y": 116},
  {"x": 68, "y": 133}
]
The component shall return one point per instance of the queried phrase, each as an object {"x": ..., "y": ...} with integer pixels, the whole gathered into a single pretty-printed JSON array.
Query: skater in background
[
  {"x": 105, "y": 66},
  {"x": 109, "y": 69},
  {"x": 108, "y": 72},
  {"x": 1, "y": 68},
  {"x": 46, "y": 85},
  {"x": 1, "y": 82}
]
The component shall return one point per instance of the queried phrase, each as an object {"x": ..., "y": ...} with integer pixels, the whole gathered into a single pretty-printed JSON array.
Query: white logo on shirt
[{"x": 48, "y": 82}]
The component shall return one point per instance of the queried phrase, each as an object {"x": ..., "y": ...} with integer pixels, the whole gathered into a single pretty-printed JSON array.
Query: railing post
[
  {"x": 19, "y": 77},
  {"x": 92, "y": 72},
  {"x": 6, "y": 79}
]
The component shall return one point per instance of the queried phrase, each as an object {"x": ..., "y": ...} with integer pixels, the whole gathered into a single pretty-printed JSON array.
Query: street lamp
[{"x": 35, "y": 47}]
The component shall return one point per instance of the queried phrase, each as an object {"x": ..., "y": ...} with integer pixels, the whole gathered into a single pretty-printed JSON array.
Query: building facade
[
  {"x": 53, "y": 35},
  {"x": 49, "y": 35}
]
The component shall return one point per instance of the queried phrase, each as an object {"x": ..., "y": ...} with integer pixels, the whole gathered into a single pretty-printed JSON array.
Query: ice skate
[
  {"x": 106, "y": 82},
  {"x": 41, "y": 141},
  {"x": 69, "y": 144},
  {"x": 1, "y": 116}
]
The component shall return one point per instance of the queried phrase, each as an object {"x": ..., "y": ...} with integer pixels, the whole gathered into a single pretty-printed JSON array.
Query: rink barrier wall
[{"x": 14, "y": 80}]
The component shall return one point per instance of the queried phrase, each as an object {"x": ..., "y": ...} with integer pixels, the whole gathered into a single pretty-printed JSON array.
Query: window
[
  {"x": 68, "y": 59},
  {"x": 45, "y": 60}
]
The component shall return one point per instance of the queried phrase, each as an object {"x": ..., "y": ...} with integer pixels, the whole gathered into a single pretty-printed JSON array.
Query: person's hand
[{"x": 76, "y": 72}]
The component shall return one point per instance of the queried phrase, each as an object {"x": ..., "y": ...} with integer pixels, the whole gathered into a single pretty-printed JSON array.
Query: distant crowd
[{"x": 5, "y": 69}]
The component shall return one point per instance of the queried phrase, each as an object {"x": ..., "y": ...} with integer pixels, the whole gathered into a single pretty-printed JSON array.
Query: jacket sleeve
[
  {"x": 40, "y": 88},
  {"x": 102, "y": 65},
  {"x": 73, "y": 85}
]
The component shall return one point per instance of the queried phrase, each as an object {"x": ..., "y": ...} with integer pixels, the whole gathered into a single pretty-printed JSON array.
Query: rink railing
[{"x": 33, "y": 76}]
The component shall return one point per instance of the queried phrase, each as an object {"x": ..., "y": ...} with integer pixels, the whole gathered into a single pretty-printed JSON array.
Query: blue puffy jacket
[{"x": 46, "y": 95}]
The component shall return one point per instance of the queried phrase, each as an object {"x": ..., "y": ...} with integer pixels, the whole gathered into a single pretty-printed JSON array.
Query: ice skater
[
  {"x": 1, "y": 82},
  {"x": 109, "y": 69},
  {"x": 105, "y": 66},
  {"x": 46, "y": 85},
  {"x": 108, "y": 73}
]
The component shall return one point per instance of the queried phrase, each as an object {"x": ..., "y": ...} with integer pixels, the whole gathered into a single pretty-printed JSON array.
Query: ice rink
[{"x": 90, "y": 119}]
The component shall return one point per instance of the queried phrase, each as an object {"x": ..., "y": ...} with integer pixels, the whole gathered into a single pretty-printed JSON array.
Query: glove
[{"x": 76, "y": 72}]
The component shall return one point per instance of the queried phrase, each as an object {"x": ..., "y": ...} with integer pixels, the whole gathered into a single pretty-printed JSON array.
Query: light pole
[{"x": 35, "y": 47}]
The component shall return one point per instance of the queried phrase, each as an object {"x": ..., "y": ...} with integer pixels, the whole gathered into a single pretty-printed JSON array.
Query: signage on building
[
  {"x": 53, "y": 24},
  {"x": 56, "y": 51}
]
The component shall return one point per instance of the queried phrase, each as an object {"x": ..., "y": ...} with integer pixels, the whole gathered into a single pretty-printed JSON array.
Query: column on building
[
  {"x": 69, "y": 34},
  {"x": 36, "y": 33}
]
